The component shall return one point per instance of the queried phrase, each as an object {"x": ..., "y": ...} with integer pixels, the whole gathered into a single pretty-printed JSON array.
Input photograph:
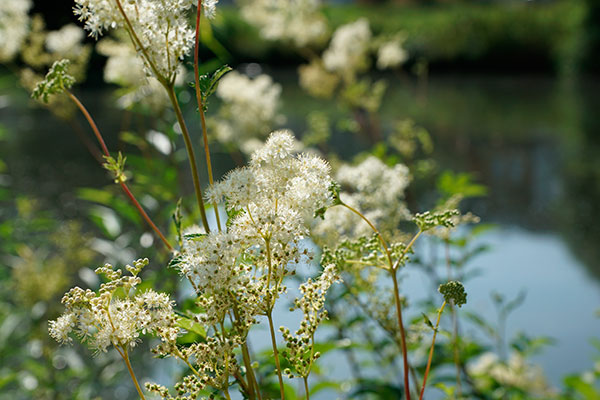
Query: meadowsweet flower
[
  {"x": 489, "y": 371},
  {"x": 316, "y": 80},
  {"x": 349, "y": 49},
  {"x": 210, "y": 8},
  {"x": 14, "y": 26},
  {"x": 376, "y": 190},
  {"x": 300, "y": 346},
  {"x": 297, "y": 21},
  {"x": 125, "y": 68},
  {"x": 391, "y": 54},
  {"x": 249, "y": 109},
  {"x": 103, "y": 319},
  {"x": 271, "y": 202},
  {"x": 66, "y": 42},
  {"x": 162, "y": 28}
]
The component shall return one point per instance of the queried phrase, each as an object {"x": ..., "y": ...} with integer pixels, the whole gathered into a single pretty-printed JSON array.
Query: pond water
[{"x": 534, "y": 141}]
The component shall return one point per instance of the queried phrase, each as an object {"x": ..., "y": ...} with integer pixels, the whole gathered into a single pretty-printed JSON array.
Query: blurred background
[{"x": 508, "y": 91}]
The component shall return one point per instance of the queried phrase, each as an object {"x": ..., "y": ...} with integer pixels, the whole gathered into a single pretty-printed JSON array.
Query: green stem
[
  {"x": 190, "y": 151},
  {"x": 402, "y": 334},
  {"x": 125, "y": 356},
  {"x": 454, "y": 323},
  {"x": 253, "y": 388},
  {"x": 276, "y": 354},
  {"x": 435, "y": 331},
  {"x": 381, "y": 239},
  {"x": 306, "y": 387},
  {"x": 167, "y": 83},
  {"x": 270, "y": 317},
  {"x": 201, "y": 107}
]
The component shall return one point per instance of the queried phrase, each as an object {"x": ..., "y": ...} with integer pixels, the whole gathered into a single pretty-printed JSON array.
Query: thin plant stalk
[
  {"x": 123, "y": 185},
  {"x": 435, "y": 331},
  {"x": 305, "y": 378},
  {"x": 270, "y": 318},
  {"x": 191, "y": 156},
  {"x": 402, "y": 334},
  {"x": 201, "y": 107},
  {"x": 392, "y": 268},
  {"x": 454, "y": 324},
  {"x": 124, "y": 354},
  {"x": 276, "y": 354},
  {"x": 253, "y": 388},
  {"x": 168, "y": 85}
]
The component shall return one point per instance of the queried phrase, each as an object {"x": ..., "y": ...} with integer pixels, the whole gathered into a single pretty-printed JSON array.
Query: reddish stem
[{"x": 125, "y": 188}]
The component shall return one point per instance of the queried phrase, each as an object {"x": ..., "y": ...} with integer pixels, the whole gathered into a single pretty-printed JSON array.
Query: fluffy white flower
[
  {"x": 376, "y": 190},
  {"x": 349, "y": 48},
  {"x": 249, "y": 109},
  {"x": 162, "y": 28},
  {"x": 210, "y": 8},
  {"x": 391, "y": 55},
  {"x": 14, "y": 26},
  {"x": 104, "y": 320},
  {"x": 295, "y": 21},
  {"x": 66, "y": 41},
  {"x": 125, "y": 68}
]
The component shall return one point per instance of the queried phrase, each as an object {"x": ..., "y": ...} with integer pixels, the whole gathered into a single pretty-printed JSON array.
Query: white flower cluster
[
  {"x": 270, "y": 203},
  {"x": 316, "y": 80},
  {"x": 348, "y": 52},
  {"x": 515, "y": 372},
  {"x": 14, "y": 26},
  {"x": 249, "y": 109},
  {"x": 103, "y": 319},
  {"x": 126, "y": 69},
  {"x": 373, "y": 188},
  {"x": 162, "y": 28},
  {"x": 297, "y": 21},
  {"x": 65, "y": 42},
  {"x": 391, "y": 54},
  {"x": 300, "y": 346}
]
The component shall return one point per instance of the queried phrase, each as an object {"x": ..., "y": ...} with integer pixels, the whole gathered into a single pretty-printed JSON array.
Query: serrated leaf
[{"x": 208, "y": 83}]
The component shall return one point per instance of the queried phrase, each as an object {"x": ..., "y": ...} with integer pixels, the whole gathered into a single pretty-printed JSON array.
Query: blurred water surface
[{"x": 534, "y": 141}]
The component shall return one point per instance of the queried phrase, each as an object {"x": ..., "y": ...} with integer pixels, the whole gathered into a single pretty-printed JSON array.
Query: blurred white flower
[{"x": 14, "y": 26}]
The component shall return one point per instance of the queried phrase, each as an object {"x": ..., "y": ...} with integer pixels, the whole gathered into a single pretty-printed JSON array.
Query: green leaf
[
  {"x": 427, "y": 321},
  {"x": 209, "y": 83},
  {"x": 57, "y": 80},
  {"x": 191, "y": 326},
  {"x": 177, "y": 221}
]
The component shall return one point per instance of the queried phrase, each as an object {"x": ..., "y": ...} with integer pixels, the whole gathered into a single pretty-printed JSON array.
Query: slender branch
[
  {"x": 454, "y": 323},
  {"x": 139, "y": 44},
  {"x": 167, "y": 83},
  {"x": 201, "y": 107},
  {"x": 252, "y": 388},
  {"x": 123, "y": 185},
  {"x": 381, "y": 239},
  {"x": 270, "y": 317},
  {"x": 276, "y": 354},
  {"x": 435, "y": 331},
  {"x": 402, "y": 334},
  {"x": 190, "y": 151},
  {"x": 305, "y": 378},
  {"x": 133, "y": 378}
]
